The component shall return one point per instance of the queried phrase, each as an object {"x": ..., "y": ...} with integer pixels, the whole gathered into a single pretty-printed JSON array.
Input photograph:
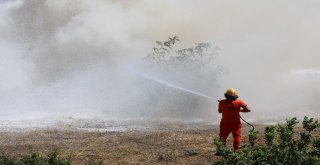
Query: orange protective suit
[{"x": 230, "y": 122}]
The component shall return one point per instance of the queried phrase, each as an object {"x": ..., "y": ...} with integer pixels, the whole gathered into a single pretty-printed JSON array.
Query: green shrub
[
  {"x": 52, "y": 158},
  {"x": 55, "y": 159},
  {"x": 34, "y": 159},
  {"x": 8, "y": 160},
  {"x": 280, "y": 146}
]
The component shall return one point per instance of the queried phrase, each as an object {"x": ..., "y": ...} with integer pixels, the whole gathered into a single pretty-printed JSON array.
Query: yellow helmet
[{"x": 231, "y": 92}]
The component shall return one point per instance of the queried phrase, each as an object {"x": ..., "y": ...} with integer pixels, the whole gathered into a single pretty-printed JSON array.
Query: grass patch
[{"x": 53, "y": 158}]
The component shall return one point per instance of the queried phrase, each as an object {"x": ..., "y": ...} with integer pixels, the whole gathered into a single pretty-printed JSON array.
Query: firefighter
[{"x": 230, "y": 121}]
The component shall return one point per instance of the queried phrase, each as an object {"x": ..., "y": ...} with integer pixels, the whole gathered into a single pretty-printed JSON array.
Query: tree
[{"x": 165, "y": 55}]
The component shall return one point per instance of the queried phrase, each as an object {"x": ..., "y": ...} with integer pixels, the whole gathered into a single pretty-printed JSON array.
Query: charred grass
[{"x": 193, "y": 146}]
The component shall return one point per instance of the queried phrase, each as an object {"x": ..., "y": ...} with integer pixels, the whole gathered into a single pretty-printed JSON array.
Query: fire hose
[{"x": 247, "y": 123}]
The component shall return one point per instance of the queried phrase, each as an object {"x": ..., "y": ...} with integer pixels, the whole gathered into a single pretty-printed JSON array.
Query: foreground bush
[
  {"x": 52, "y": 158},
  {"x": 280, "y": 146}
]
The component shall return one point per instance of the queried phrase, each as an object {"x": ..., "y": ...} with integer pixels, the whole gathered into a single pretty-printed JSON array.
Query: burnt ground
[{"x": 173, "y": 146}]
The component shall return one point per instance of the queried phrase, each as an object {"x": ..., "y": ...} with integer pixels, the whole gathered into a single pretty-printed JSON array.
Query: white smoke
[{"x": 64, "y": 57}]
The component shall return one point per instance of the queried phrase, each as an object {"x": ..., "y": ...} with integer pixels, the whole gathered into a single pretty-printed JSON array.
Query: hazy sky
[{"x": 47, "y": 45}]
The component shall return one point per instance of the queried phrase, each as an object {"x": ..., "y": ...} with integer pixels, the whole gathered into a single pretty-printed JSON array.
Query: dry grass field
[{"x": 172, "y": 146}]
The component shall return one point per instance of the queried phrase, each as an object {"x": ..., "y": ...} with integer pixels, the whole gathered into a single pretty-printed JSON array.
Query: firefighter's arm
[
  {"x": 246, "y": 109},
  {"x": 219, "y": 109}
]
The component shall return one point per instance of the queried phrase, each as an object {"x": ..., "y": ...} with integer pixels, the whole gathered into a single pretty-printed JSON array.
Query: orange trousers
[{"x": 235, "y": 129}]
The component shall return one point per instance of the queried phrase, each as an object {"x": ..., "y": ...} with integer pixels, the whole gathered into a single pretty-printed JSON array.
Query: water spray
[
  {"x": 182, "y": 89},
  {"x": 173, "y": 86}
]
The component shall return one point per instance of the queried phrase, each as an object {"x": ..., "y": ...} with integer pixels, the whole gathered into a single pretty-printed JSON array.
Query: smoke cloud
[{"x": 61, "y": 58}]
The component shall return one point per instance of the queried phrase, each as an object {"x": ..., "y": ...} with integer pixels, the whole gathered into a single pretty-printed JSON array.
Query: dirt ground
[{"x": 191, "y": 146}]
